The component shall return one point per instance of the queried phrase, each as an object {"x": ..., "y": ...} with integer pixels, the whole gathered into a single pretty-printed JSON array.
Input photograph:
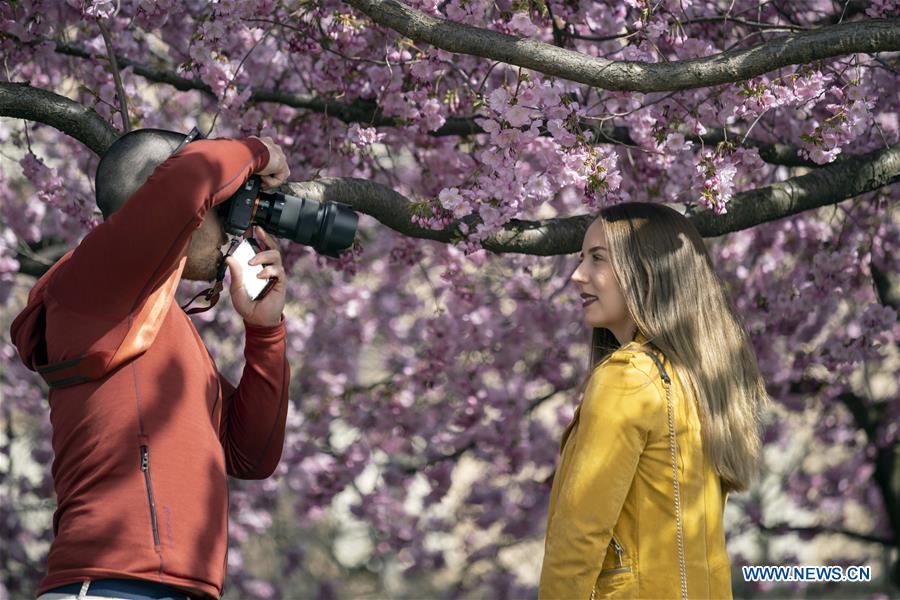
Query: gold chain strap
[{"x": 672, "y": 446}]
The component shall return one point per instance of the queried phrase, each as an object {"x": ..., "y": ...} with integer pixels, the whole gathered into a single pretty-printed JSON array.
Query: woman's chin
[{"x": 593, "y": 322}]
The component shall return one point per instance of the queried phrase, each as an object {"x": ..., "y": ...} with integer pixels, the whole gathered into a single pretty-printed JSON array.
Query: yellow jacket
[{"x": 611, "y": 524}]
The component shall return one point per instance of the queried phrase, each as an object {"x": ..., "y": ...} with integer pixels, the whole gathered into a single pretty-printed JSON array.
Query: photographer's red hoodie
[{"x": 145, "y": 429}]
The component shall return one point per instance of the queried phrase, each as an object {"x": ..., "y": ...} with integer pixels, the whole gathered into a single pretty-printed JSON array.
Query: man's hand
[
  {"x": 266, "y": 311},
  {"x": 276, "y": 172}
]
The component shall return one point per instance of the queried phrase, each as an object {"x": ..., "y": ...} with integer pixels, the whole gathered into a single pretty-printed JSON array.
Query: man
[{"x": 145, "y": 429}]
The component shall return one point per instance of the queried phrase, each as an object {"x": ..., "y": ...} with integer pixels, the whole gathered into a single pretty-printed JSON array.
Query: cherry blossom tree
[{"x": 477, "y": 139}]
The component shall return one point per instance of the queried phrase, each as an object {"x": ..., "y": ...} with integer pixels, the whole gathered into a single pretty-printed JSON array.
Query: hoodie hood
[
  {"x": 110, "y": 348},
  {"x": 28, "y": 328}
]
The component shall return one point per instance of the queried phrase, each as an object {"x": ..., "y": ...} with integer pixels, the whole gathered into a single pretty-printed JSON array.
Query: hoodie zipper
[{"x": 145, "y": 467}]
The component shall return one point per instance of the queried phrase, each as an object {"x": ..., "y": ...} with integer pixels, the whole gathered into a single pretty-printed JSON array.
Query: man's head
[{"x": 124, "y": 168}]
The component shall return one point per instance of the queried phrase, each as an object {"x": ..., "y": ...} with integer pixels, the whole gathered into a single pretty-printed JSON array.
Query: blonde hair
[{"x": 678, "y": 302}]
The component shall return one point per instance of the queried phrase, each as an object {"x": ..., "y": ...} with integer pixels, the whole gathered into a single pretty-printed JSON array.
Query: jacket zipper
[
  {"x": 145, "y": 467},
  {"x": 619, "y": 550},
  {"x": 620, "y": 568}
]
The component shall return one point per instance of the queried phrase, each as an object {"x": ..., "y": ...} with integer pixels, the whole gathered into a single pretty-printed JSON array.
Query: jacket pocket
[
  {"x": 145, "y": 467},
  {"x": 620, "y": 565},
  {"x": 608, "y": 582}
]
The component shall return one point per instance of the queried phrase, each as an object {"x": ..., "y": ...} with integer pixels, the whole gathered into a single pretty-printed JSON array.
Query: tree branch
[
  {"x": 827, "y": 185},
  {"x": 412, "y": 466},
  {"x": 728, "y": 20},
  {"x": 724, "y": 19},
  {"x": 117, "y": 78},
  {"x": 359, "y": 111},
  {"x": 367, "y": 111},
  {"x": 20, "y": 100},
  {"x": 38, "y": 257},
  {"x": 819, "y": 529},
  {"x": 886, "y": 461},
  {"x": 727, "y": 67},
  {"x": 547, "y": 238},
  {"x": 775, "y": 154},
  {"x": 887, "y": 287},
  {"x": 849, "y": 8}
]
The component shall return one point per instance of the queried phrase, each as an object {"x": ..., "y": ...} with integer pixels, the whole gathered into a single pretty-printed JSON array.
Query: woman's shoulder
[
  {"x": 627, "y": 380},
  {"x": 634, "y": 357}
]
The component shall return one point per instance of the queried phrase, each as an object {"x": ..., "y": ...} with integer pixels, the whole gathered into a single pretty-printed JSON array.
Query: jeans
[{"x": 122, "y": 589}]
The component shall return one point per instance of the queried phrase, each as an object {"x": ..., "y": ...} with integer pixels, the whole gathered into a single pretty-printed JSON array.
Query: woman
[{"x": 674, "y": 381}]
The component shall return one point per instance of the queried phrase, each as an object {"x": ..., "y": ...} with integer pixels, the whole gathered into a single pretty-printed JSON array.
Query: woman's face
[{"x": 603, "y": 302}]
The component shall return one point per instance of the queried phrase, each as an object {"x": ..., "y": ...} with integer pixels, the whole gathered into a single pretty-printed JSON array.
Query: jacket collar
[{"x": 640, "y": 337}]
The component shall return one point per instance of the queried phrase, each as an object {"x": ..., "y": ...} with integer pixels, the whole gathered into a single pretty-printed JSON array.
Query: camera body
[{"x": 329, "y": 227}]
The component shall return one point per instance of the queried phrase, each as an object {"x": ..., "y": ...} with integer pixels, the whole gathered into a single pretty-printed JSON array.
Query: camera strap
[{"x": 211, "y": 294}]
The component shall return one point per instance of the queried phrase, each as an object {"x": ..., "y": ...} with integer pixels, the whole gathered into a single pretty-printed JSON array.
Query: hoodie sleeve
[
  {"x": 122, "y": 260},
  {"x": 106, "y": 303},
  {"x": 254, "y": 414}
]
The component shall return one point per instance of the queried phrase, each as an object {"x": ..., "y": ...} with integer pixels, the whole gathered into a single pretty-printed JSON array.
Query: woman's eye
[{"x": 597, "y": 258}]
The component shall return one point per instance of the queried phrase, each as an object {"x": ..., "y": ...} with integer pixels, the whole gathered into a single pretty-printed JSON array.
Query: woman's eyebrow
[{"x": 598, "y": 248}]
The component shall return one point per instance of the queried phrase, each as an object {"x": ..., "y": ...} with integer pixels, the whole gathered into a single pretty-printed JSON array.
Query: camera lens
[
  {"x": 337, "y": 230},
  {"x": 329, "y": 227}
]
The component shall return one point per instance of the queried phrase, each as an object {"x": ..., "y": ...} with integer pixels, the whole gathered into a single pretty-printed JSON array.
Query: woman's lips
[{"x": 587, "y": 299}]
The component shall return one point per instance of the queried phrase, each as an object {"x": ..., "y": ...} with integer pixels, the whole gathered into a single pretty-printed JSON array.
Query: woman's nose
[{"x": 577, "y": 277}]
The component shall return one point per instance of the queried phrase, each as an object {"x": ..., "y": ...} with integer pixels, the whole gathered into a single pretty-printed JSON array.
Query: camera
[{"x": 329, "y": 227}]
